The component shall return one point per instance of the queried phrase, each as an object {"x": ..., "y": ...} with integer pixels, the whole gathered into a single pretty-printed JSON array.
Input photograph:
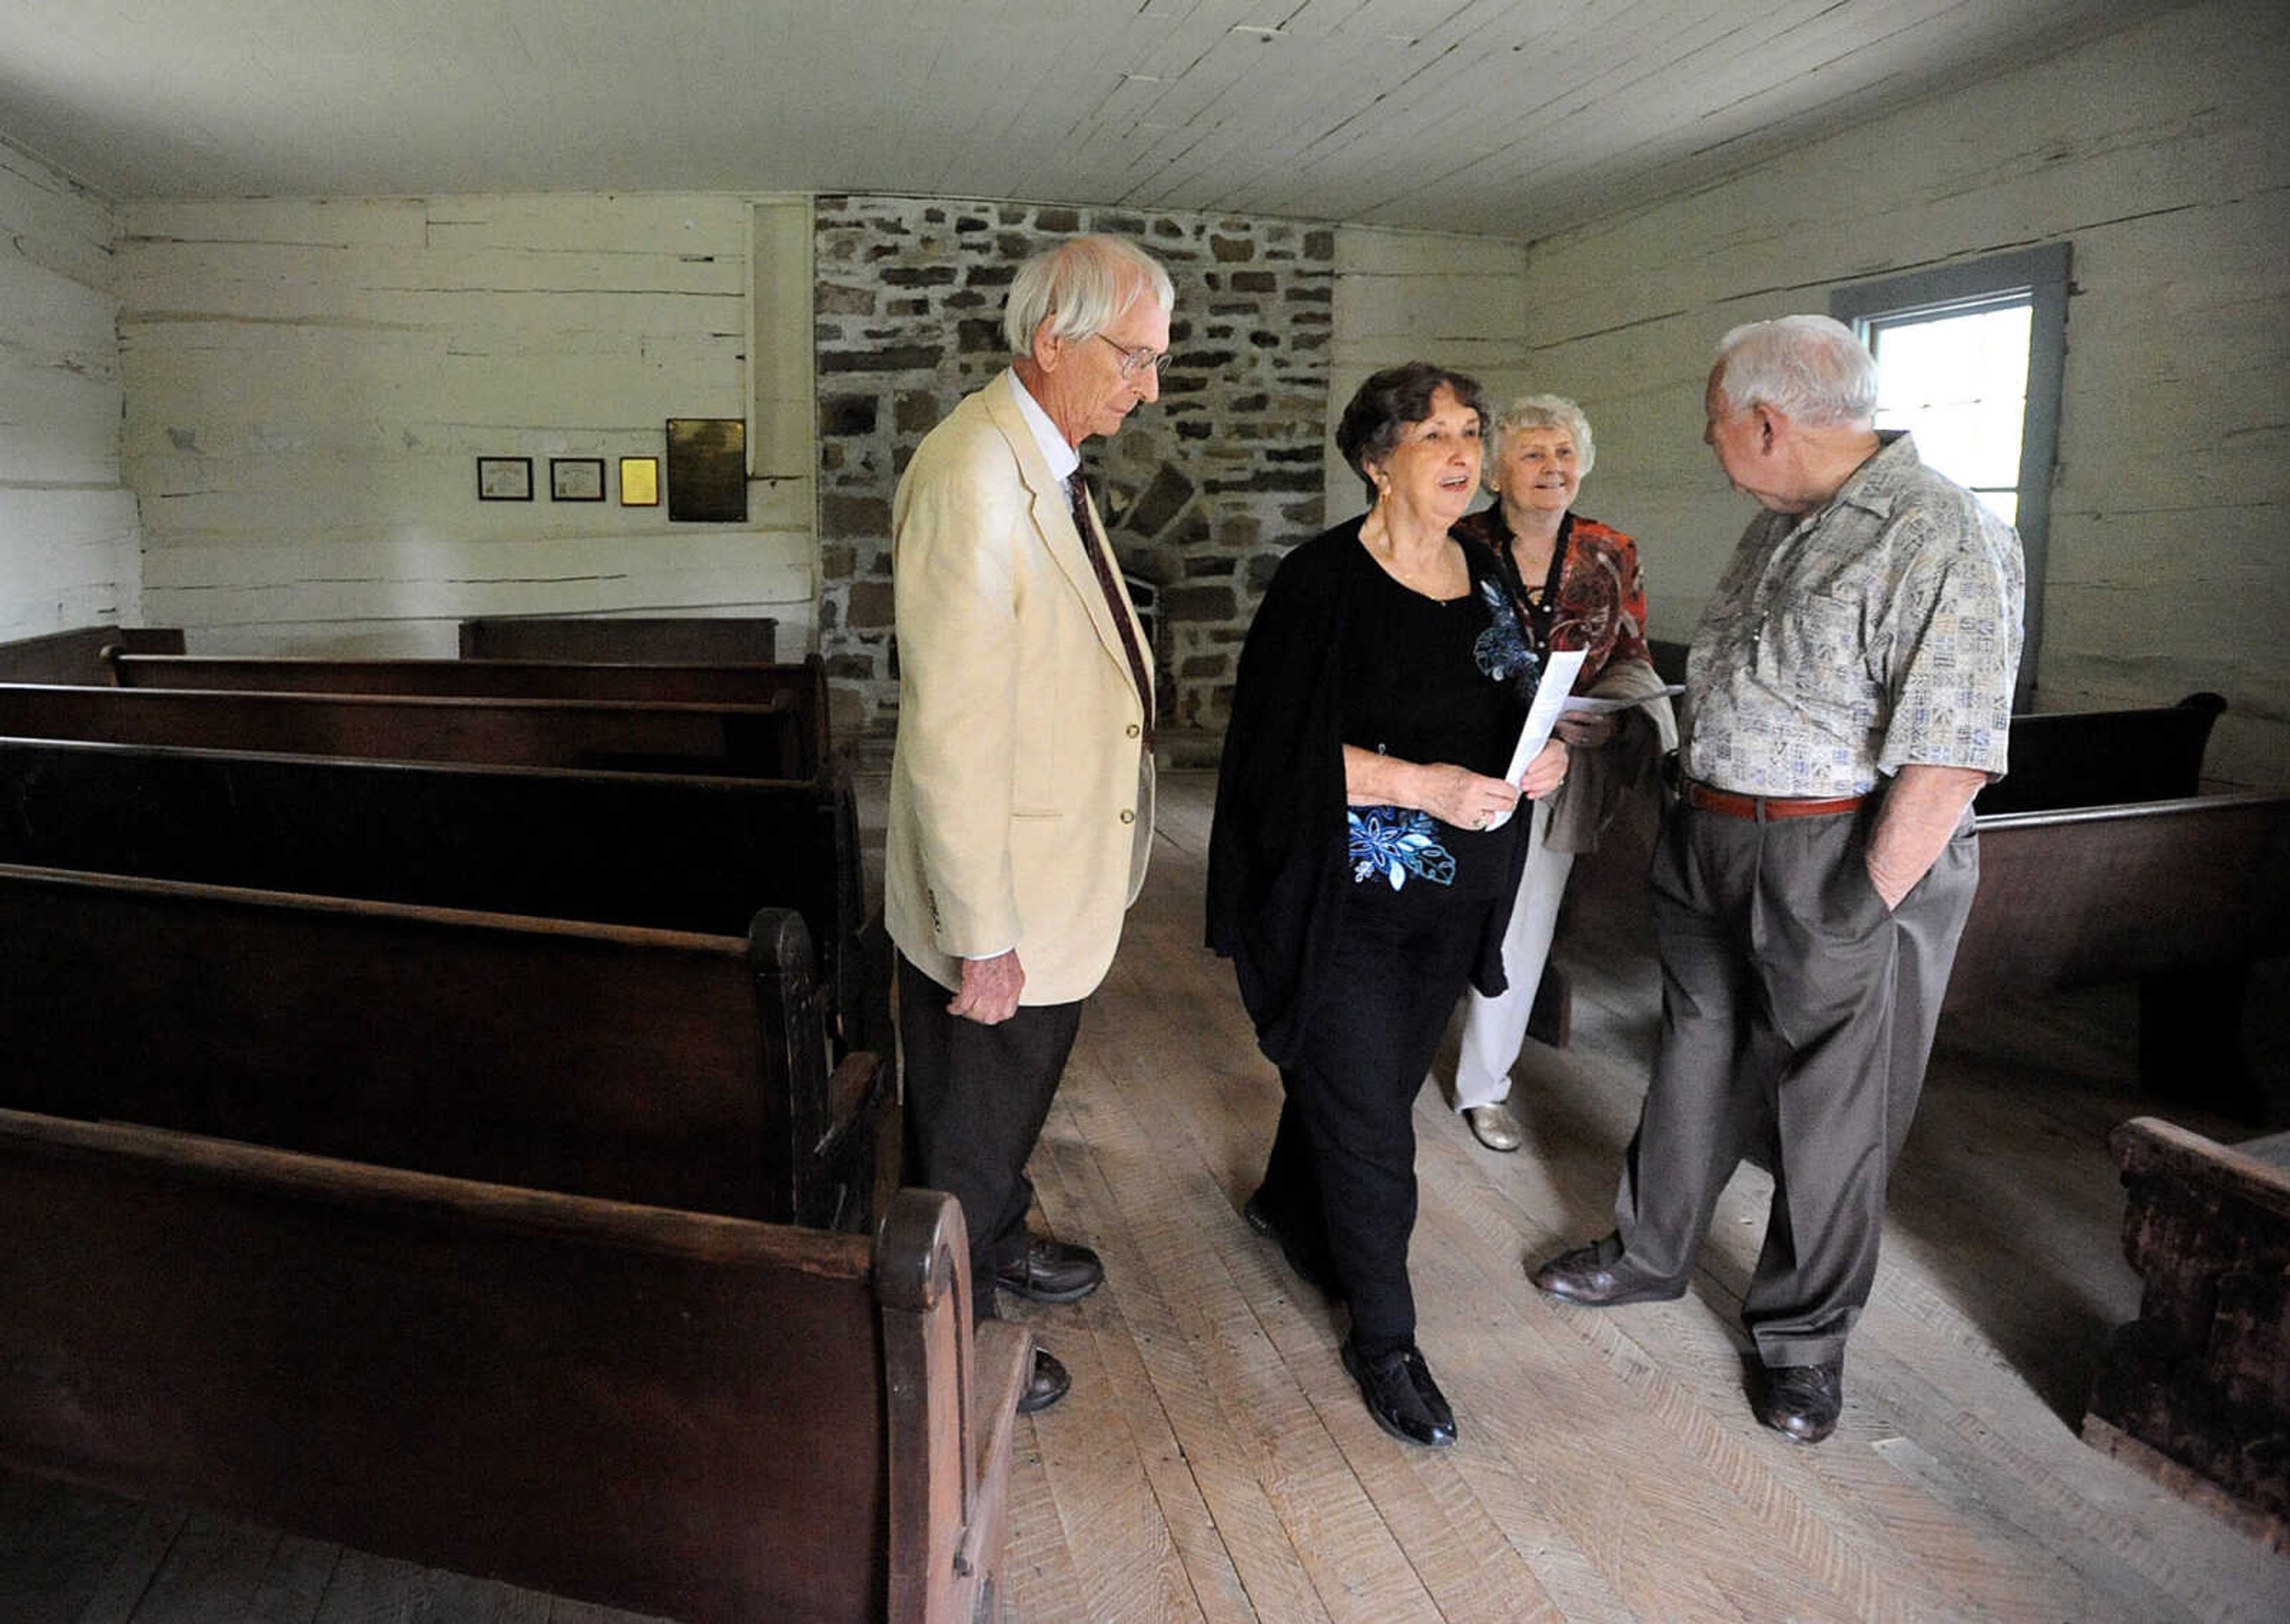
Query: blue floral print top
[{"x": 1429, "y": 680}]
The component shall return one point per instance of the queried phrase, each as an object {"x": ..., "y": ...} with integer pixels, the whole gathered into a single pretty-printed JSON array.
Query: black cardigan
[{"x": 1278, "y": 874}]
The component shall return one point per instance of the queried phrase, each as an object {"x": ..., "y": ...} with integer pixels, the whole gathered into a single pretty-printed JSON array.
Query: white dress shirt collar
[{"x": 1063, "y": 457}]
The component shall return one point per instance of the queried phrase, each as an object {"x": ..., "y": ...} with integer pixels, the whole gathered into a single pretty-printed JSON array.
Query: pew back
[
  {"x": 665, "y": 851},
  {"x": 703, "y": 1417},
  {"x": 81, "y": 654},
  {"x": 801, "y": 688},
  {"x": 675, "y": 1069},
  {"x": 2060, "y": 759},
  {"x": 2112, "y": 893},
  {"x": 758, "y": 741},
  {"x": 648, "y": 639}
]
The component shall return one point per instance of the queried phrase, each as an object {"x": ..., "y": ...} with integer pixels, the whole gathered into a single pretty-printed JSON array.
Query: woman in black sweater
[{"x": 1362, "y": 862}]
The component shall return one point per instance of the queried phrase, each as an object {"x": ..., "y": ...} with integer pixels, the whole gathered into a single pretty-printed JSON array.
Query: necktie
[{"x": 1078, "y": 496}]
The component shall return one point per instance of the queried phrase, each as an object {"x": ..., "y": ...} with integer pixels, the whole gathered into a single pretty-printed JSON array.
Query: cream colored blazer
[{"x": 1022, "y": 800}]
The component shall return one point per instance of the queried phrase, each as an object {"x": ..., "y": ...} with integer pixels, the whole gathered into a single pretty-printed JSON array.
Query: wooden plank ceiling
[{"x": 1509, "y": 119}]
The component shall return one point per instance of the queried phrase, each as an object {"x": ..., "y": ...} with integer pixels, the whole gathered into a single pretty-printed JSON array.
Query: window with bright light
[
  {"x": 1959, "y": 381},
  {"x": 1968, "y": 360}
]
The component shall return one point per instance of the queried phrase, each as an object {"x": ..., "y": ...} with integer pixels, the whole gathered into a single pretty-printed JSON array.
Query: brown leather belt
[{"x": 1727, "y": 803}]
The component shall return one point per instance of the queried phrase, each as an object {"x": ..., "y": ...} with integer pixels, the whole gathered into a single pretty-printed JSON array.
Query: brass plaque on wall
[{"x": 707, "y": 469}]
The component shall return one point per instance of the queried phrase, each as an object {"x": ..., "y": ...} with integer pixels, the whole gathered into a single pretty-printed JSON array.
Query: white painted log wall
[
  {"x": 2163, "y": 155},
  {"x": 310, "y": 382},
  {"x": 69, "y": 529},
  {"x": 1459, "y": 302}
]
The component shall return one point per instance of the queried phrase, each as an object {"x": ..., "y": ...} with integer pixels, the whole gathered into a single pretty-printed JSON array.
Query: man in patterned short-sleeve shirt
[{"x": 1848, "y": 692}]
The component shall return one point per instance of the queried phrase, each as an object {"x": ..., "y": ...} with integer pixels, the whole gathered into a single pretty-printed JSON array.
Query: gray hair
[
  {"x": 1543, "y": 412},
  {"x": 1809, "y": 368},
  {"x": 1082, "y": 286}
]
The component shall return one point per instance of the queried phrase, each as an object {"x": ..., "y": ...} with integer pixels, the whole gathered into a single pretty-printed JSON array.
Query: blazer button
[
  {"x": 1128, "y": 816},
  {"x": 1132, "y": 730}
]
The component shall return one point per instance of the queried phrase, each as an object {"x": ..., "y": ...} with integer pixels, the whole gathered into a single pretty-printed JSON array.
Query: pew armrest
[
  {"x": 851, "y": 1092},
  {"x": 1004, "y": 1353},
  {"x": 949, "y": 1453}
]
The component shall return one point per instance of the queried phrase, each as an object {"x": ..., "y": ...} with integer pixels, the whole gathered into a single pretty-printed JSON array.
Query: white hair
[
  {"x": 1809, "y": 368},
  {"x": 1081, "y": 287},
  {"x": 1543, "y": 412}
]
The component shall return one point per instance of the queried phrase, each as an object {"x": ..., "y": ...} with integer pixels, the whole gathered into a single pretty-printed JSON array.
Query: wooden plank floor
[{"x": 1214, "y": 1463}]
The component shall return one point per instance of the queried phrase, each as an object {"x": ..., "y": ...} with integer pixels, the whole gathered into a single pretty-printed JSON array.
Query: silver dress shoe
[{"x": 1497, "y": 1126}]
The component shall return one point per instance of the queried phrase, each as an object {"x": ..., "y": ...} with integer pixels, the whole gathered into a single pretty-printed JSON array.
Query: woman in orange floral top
[{"x": 1577, "y": 585}]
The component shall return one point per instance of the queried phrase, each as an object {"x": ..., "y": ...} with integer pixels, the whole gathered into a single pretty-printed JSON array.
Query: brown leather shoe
[
  {"x": 1584, "y": 1275},
  {"x": 1047, "y": 1383},
  {"x": 1802, "y": 1402}
]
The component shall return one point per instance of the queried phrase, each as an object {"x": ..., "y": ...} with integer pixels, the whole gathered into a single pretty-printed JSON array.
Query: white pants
[{"x": 1493, "y": 1028}]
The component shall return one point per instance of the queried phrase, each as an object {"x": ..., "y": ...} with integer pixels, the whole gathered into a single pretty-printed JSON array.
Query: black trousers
[
  {"x": 975, "y": 1098},
  {"x": 1343, "y": 1168},
  {"x": 1797, "y": 1014}
]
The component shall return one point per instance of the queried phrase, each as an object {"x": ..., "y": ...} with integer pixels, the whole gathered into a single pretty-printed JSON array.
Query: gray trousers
[{"x": 1797, "y": 1016}]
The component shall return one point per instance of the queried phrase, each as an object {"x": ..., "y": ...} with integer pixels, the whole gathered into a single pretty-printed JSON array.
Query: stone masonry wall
[{"x": 1202, "y": 492}]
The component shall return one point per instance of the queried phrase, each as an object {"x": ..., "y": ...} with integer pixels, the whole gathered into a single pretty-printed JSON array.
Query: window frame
[{"x": 2040, "y": 275}]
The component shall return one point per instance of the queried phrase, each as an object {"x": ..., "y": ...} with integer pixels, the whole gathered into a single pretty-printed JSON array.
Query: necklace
[{"x": 1433, "y": 579}]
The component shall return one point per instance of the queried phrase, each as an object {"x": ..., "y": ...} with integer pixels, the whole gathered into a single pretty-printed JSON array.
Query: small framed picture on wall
[
  {"x": 639, "y": 482},
  {"x": 707, "y": 469},
  {"x": 576, "y": 479},
  {"x": 504, "y": 479}
]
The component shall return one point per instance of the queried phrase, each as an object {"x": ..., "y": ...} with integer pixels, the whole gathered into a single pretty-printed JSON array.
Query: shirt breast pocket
[{"x": 1817, "y": 648}]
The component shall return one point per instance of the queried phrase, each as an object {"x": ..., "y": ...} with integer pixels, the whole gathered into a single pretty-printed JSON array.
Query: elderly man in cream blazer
[{"x": 1021, "y": 788}]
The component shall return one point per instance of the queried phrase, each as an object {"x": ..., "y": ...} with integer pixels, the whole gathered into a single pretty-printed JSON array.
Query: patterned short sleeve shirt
[{"x": 1842, "y": 645}]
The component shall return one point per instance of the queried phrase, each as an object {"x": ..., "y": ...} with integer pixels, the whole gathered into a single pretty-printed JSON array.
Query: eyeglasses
[{"x": 1137, "y": 360}]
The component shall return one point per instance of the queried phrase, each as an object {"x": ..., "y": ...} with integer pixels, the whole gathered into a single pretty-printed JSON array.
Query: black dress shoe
[
  {"x": 1312, "y": 1264},
  {"x": 1802, "y": 1402},
  {"x": 1427, "y": 1390},
  {"x": 1052, "y": 1271},
  {"x": 1402, "y": 1397},
  {"x": 1586, "y": 1276},
  {"x": 1045, "y": 1384}
]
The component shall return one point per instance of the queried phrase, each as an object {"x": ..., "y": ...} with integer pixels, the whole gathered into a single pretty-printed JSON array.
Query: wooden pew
[
  {"x": 707, "y": 1418},
  {"x": 2197, "y": 1389},
  {"x": 2182, "y": 896},
  {"x": 2068, "y": 903},
  {"x": 664, "y": 851},
  {"x": 2104, "y": 757},
  {"x": 671, "y": 1068},
  {"x": 802, "y": 686},
  {"x": 642, "y": 639},
  {"x": 759, "y": 740},
  {"x": 79, "y": 654}
]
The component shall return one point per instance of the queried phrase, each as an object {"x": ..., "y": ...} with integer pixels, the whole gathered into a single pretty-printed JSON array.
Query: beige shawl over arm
[{"x": 1625, "y": 775}]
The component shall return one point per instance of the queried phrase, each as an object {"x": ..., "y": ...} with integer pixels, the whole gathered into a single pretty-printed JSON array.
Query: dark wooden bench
[
  {"x": 2197, "y": 1389},
  {"x": 802, "y": 686},
  {"x": 661, "y": 849},
  {"x": 760, "y": 740},
  {"x": 2061, "y": 759},
  {"x": 80, "y": 654},
  {"x": 672, "y": 1068},
  {"x": 2086, "y": 899},
  {"x": 707, "y": 1418},
  {"x": 644, "y": 639},
  {"x": 2182, "y": 896}
]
